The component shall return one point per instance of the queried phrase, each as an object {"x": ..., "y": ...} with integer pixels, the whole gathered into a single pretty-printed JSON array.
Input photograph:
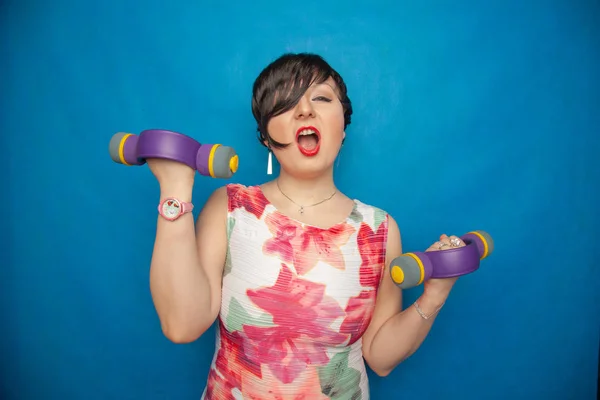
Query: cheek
[
  {"x": 336, "y": 128},
  {"x": 277, "y": 129}
]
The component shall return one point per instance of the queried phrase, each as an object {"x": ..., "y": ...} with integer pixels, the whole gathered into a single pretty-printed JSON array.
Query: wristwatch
[{"x": 172, "y": 208}]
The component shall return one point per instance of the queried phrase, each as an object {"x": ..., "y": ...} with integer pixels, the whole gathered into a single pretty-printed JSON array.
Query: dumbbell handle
[
  {"x": 413, "y": 268},
  {"x": 208, "y": 159},
  {"x": 165, "y": 144},
  {"x": 454, "y": 262}
]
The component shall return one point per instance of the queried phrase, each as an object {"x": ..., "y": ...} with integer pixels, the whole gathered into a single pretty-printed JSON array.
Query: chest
[
  {"x": 283, "y": 253},
  {"x": 289, "y": 277}
]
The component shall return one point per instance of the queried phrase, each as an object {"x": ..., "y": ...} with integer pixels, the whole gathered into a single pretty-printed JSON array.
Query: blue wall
[{"x": 467, "y": 116}]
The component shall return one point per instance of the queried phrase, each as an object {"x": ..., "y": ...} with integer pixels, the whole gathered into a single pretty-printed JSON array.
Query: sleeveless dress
[{"x": 296, "y": 300}]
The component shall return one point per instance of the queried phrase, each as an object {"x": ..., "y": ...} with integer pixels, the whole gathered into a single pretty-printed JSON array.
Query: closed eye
[{"x": 322, "y": 98}]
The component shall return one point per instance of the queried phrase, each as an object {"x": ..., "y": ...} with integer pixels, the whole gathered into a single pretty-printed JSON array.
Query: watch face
[{"x": 171, "y": 208}]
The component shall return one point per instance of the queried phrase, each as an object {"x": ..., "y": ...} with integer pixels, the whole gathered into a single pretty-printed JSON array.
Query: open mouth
[{"x": 308, "y": 139}]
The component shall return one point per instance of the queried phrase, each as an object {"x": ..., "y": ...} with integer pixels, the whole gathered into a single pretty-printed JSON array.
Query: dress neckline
[{"x": 344, "y": 221}]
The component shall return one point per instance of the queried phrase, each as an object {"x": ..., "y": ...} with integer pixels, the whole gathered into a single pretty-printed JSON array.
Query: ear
[{"x": 267, "y": 145}]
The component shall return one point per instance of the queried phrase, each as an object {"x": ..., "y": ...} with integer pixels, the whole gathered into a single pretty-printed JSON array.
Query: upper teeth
[{"x": 307, "y": 132}]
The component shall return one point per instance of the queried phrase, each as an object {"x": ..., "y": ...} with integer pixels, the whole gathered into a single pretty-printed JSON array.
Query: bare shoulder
[
  {"x": 382, "y": 222},
  {"x": 394, "y": 240},
  {"x": 212, "y": 219},
  {"x": 381, "y": 219},
  {"x": 216, "y": 205}
]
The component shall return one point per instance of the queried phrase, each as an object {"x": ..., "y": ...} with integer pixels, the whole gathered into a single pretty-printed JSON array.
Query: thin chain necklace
[{"x": 301, "y": 210}]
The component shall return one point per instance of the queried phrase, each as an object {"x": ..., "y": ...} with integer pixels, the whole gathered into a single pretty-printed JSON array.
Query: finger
[
  {"x": 436, "y": 246},
  {"x": 455, "y": 241},
  {"x": 443, "y": 244},
  {"x": 433, "y": 247}
]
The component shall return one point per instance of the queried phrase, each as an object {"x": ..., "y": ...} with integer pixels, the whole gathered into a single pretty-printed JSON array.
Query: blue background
[{"x": 467, "y": 116}]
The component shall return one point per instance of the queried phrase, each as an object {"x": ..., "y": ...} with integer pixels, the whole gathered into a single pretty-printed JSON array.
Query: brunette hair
[{"x": 284, "y": 81}]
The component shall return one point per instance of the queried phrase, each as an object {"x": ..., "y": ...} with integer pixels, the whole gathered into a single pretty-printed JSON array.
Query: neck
[{"x": 307, "y": 191}]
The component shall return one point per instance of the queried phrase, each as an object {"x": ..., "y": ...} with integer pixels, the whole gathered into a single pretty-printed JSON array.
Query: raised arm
[
  {"x": 395, "y": 334},
  {"x": 187, "y": 263}
]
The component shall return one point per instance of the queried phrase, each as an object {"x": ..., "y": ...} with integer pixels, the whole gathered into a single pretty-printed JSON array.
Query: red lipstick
[{"x": 312, "y": 134}]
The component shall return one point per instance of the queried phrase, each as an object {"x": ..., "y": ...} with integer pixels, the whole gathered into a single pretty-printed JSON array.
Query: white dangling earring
[{"x": 270, "y": 164}]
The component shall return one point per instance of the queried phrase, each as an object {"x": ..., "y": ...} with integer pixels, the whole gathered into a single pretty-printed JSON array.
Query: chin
[{"x": 308, "y": 168}]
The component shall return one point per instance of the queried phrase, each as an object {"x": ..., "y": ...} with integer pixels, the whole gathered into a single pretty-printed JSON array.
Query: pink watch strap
[{"x": 186, "y": 207}]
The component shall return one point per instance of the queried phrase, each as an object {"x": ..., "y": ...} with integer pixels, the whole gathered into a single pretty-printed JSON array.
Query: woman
[{"x": 295, "y": 271}]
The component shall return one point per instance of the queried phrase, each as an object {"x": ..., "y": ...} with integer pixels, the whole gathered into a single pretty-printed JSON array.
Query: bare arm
[
  {"x": 395, "y": 334},
  {"x": 187, "y": 265}
]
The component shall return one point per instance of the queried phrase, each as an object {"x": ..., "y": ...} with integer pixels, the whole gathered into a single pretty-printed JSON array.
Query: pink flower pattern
[{"x": 295, "y": 304}]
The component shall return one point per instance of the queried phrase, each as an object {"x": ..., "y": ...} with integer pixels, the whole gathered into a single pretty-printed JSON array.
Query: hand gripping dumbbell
[
  {"x": 212, "y": 160},
  {"x": 412, "y": 269}
]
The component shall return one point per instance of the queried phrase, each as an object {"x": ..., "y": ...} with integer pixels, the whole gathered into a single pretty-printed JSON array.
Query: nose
[{"x": 304, "y": 109}]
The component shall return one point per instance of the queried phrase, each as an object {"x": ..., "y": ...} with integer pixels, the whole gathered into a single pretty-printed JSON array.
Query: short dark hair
[{"x": 292, "y": 74}]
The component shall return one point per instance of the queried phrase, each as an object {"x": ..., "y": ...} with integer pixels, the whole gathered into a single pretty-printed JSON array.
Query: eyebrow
[{"x": 319, "y": 85}]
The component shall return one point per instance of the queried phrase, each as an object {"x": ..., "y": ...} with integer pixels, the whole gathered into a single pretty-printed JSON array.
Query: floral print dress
[{"x": 296, "y": 300}]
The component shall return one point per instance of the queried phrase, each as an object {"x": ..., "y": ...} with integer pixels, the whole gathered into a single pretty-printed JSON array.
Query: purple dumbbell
[
  {"x": 211, "y": 160},
  {"x": 412, "y": 269}
]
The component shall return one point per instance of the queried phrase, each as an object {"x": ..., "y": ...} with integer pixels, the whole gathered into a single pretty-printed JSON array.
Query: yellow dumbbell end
[
  {"x": 234, "y": 163},
  {"x": 397, "y": 275},
  {"x": 407, "y": 271}
]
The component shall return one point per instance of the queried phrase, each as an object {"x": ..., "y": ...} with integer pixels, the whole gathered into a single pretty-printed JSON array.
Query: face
[{"x": 315, "y": 129}]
